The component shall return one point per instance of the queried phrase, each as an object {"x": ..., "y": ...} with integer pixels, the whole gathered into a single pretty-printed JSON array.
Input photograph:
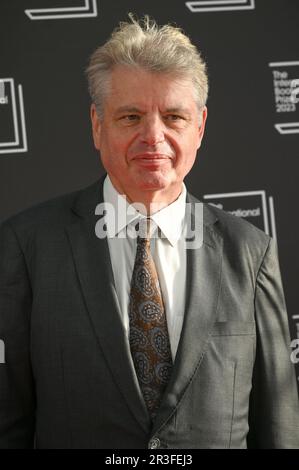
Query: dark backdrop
[{"x": 248, "y": 162}]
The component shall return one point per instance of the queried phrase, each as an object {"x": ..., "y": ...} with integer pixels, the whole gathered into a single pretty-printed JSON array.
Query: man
[{"x": 116, "y": 341}]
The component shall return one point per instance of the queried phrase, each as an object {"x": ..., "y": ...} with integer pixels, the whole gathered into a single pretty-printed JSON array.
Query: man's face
[{"x": 149, "y": 134}]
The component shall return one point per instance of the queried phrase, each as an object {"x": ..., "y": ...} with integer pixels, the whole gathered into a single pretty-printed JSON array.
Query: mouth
[
  {"x": 151, "y": 160},
  {"x": 152, "y": 157}
]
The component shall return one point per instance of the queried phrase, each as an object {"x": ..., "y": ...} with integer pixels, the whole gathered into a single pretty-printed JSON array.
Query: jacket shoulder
[
  {"x": 53, "y": 212},
  {"x": 235, "y": 231},
  {"x": 235, "y": 225}
]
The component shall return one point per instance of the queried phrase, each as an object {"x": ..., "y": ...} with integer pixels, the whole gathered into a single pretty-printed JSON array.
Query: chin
[
  {"x": 158, "y": 176},
  {"x": 152, "y": 182}
]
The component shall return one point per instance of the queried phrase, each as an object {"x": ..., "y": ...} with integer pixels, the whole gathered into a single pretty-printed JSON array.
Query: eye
[
  {"x": 130, "y": 117},
  {"x": 173, "y": 117},
  {"x": 175, "y": 121}
]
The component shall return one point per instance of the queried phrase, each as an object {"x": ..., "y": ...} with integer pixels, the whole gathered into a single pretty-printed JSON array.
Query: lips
[
  {"x": 151, "y": 156},
  {"x": 151, "y": 161}
]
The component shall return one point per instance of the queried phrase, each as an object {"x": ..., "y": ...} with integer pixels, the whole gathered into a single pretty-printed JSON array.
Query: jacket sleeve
[
  {"x": 17, "y": 402},
  {"x": 274, "y": 407}
]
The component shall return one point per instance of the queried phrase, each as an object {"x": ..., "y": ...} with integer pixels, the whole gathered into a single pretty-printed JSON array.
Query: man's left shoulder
[
  {"x": 236, "y": 226},
  {"x": 234, "y": 230}
]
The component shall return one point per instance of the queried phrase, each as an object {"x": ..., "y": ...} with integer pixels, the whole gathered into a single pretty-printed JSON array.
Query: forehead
[{"x": 136, "y": 86}]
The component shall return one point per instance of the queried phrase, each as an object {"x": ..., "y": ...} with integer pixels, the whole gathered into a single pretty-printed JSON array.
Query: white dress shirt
[{"x": 168, "y": 251}]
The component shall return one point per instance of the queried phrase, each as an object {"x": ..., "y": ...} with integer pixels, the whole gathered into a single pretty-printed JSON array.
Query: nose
[{"x": 152, "y": 131}]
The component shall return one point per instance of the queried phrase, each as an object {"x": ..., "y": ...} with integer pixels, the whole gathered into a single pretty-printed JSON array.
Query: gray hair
[{"x": 142, "y": 43}]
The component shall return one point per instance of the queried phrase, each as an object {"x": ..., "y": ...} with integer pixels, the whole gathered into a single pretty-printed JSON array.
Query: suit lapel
[
  {"x": 93, "y": 266},
  {"x": 202, "y": 289}
]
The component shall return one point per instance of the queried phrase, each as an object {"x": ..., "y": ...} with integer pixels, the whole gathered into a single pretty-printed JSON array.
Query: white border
[
  {"x": 2, "y": 89},
  {"x": 287, "y": 128},
  {"x": 2, "y": 352},
  {"x": 16, "y": 142},
  {"x": 87, "y": 11},
  {"x": 261, "y": 193},
  {"x": 284, "y": 64},
  {"x": 220, "y": 5},
  {"x": 15, "y": 120}
]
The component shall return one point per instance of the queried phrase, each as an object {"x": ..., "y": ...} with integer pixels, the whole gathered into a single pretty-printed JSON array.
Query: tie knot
[{"x": 144, "y": 231}]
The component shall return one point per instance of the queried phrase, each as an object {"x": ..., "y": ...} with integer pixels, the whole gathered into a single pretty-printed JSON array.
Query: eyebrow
[
  {"x": 127, "y": 109},
  {"x": 134, "y": 109},
  {"x": 178, "y": 110}
]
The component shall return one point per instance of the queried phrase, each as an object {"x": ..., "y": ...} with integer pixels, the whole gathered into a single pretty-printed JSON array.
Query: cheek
[
  {"x": 187, "y": 149},
  {"x": 113, "y": 151}
]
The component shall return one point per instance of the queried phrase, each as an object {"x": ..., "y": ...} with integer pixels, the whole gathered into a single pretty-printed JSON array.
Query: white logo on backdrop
[
  {"x": 258, "y": 212},
  {"x": 88, "y": 10},
  {"x": 295, "y": 91},
  {"x": 12, "y": 106},
  {"x": 220, "y": 5},
  {"x": 286, "y": 93},
  {"x": 2, "y": 352}
]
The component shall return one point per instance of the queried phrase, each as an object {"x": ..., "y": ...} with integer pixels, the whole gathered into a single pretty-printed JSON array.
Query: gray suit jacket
[{"x": 69, "y": 381}]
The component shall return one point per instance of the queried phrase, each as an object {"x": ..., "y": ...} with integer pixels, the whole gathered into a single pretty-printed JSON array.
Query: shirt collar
[{"x": 170, "y": 219}]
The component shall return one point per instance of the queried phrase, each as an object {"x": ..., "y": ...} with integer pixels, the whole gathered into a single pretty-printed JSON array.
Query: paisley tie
[{"x": 149, "y": 340}]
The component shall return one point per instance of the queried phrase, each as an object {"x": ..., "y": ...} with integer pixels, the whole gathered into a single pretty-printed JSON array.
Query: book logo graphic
[
  {"x": 285, "y": 76},
  {"x": 254, "y": 206},
  {"x": 13, "y": 137},
  {"x": 88, "y": 10},
  {"x": 220, "y": 5}
]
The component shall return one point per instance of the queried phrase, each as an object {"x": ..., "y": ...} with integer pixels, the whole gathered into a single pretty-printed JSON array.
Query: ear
[
  {"x": 201, "y": 129},
  {"x": 96, "y": 127}
]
